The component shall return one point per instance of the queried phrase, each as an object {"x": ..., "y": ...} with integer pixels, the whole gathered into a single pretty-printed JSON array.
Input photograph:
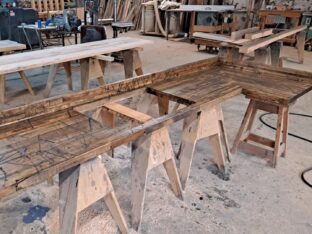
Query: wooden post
[
  {"x": 275, "y": 53},
  {"x": 84, "y": 73},
  {"x": 80, "y": 187},
  {"x": 137, "y": 63},
  {"x": 26, "y": 82},
  {"x": 2, "y": 89},
  {"x": 67, "y": 68},
  {"x": 91, "y": 68},
  {"x": 128, "y": 63},
  {"x": 163, "y": 105},
  {"x": 263, "y": 56},
  {"x": 51, "y": 78},
  {"x": 300, "y": 45}
]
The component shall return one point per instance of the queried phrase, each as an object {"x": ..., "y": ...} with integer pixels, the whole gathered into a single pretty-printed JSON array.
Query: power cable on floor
[{"x": 293, "y": 135}]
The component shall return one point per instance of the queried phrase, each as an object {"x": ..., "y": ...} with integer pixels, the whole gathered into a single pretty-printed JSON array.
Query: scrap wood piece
[
  {"x": 219, "y": 38},
  {"x": 261, "y": 42},
  {"x": 213, "y": 36},
  {"x": 261, "y": 33},
  {"x": 240, "y": 33},
  {"x": 128, "y": 112}
]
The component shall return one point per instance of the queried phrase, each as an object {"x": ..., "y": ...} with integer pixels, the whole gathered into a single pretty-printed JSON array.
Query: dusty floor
[{"x": 255, "y": 199}]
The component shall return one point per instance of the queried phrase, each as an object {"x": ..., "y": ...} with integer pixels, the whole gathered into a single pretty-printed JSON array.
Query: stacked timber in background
[{"x": 128, "y": 10}]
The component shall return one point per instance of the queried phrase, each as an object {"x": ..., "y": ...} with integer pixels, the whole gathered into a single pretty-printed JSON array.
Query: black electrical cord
[
  {"x": 290, "y": 134},
  {"x": 303, "y": 178},
  {"x": 293, "y": 135}
]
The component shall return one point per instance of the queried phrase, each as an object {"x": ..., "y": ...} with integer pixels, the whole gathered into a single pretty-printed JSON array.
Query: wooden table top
[
  {"x": 44, "y": 138},
  {"x": 195, "y": 88},
  {"x": 33, "y": 59},
  {"x": 267, "y": 85},
  {"x": 7, "y": 45}
]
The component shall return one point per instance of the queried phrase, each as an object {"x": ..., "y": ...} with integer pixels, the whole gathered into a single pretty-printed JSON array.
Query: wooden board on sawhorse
[{"x": 272, "y": 149}]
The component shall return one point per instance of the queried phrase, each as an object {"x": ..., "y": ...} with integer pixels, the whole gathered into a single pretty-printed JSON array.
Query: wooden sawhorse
[
  {"x": 150, "y": 151},
  {"x": 80, "y": 187},
  {"x": 25, "y": 80},
  {"x": 245, "y": 138},
  {"x": 94, "y": 68},
  {"x": 208, "y": 123}
]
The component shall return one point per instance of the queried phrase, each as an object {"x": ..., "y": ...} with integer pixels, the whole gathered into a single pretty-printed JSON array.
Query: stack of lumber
[
  {"x": 127, "y": 10},
  {"x": 46, "y": 7},
  {"x": 239, "y": 37}
]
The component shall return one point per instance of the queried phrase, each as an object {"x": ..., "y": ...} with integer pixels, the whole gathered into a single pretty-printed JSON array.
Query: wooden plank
[
  {"x": 62, "y": 6},
  {"x": 256, "y": 44},
  {"x": 51, "y": 5},
  {"x": 104, "y": 58},
  {"x": 33, "y": 59},
  {"x": 45, "y": 5},
  {"x": 240, "y": 33},
  {"x": 7, "y": 45},
  {"x": 126, "y": 111},
  {"x": 26, "y": 82},
  {"x": 39, "y": 5},
  {"x": 2, "y": 88},
  {"x": 212, "y": 36},
  {"x": 105, "y": 92},
  {"x": 33, "y": 5},
  {"x": 57, "y": 6},
  {"x": 261, "y": 33}
]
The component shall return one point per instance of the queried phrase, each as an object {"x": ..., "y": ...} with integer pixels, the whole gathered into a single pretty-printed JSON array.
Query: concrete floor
[{"x": 255, "y": 198}]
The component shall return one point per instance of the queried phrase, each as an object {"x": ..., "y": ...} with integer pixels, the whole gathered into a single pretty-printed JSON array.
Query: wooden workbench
[
  {"x": 194, "y": 10},
  {"x": 89, "y": 55},
  {"x": 52, "y": 136},
  {"x": 264, "y": 43},
  {"x": 8, "y": 46}
]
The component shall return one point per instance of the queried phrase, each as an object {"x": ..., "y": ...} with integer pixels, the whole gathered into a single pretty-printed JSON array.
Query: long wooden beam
[
  {"x": 253, "y": 45},
  {"x": 105, "y": 92}
]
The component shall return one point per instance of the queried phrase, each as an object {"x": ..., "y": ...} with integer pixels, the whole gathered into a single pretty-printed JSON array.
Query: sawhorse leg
[
  {"x": 2, "y": 89},
  {"x": 195, "y": 127},
  {"x": 80, "y": 187},
  {"x": 52, "y": 75},
  {"x": 132, "y": 62},
  {"x": 245, "y": 137},
  {"x": 148, "y": 152},
  {"x": 91, "y": 68}
]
